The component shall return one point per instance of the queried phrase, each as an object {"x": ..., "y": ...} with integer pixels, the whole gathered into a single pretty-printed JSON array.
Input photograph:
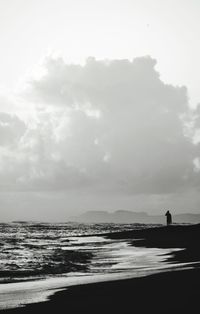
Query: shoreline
[
  {"x": 184, "y": 237},
  {"x": 148, "y": 293},
  {"x": 175, "y": 292}
]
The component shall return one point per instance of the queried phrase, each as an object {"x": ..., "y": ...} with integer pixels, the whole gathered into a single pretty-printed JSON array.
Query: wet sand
[
  {"x": 169, "y": 292},
  {"x": 186, "y": 237}
]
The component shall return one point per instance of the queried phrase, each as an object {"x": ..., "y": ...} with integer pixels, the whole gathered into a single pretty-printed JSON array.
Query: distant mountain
[{"x": 125, "y": 216}]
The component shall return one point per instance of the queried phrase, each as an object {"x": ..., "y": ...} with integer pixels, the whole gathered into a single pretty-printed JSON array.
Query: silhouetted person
[{"x": 169, "y": 218}]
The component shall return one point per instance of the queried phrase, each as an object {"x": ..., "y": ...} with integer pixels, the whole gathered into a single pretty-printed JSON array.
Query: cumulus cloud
[{"x": 108, "y": 126}]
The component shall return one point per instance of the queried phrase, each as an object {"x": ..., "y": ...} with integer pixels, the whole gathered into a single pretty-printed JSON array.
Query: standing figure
[{"x": 169, "y": 218}]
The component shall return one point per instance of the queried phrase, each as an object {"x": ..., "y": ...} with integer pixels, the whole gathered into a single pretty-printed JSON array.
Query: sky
[{"x": 98, "y": 107}]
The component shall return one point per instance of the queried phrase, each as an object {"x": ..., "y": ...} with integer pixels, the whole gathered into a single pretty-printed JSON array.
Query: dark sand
[{"x": 169, "y": 292}]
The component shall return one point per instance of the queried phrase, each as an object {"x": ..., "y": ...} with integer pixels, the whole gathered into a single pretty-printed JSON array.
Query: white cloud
[
  {"x": 107, "y": 126},
  {"x": 11, "y": 129}
]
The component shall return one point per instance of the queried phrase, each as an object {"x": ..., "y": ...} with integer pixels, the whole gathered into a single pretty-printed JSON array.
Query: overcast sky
[{"x": 98, "y": 107}]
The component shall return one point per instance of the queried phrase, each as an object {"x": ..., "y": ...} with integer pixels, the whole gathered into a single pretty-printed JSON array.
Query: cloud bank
[{"x": 107, "y": 127}]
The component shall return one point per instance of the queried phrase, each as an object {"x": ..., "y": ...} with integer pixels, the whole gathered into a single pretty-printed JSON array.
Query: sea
[{"x": 38, "y": 258}]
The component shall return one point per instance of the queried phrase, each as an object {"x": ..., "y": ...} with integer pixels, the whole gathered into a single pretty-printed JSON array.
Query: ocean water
[
  {"x": 31, "y": 251},
  {"x": 38, "y": 259}
]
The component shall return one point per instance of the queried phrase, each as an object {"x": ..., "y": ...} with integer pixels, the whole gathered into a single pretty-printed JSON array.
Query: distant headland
[{"x": 126, "y": 216}]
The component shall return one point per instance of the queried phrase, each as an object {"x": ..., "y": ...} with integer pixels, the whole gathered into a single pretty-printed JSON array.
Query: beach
[{"x": 175, "y": 291}]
